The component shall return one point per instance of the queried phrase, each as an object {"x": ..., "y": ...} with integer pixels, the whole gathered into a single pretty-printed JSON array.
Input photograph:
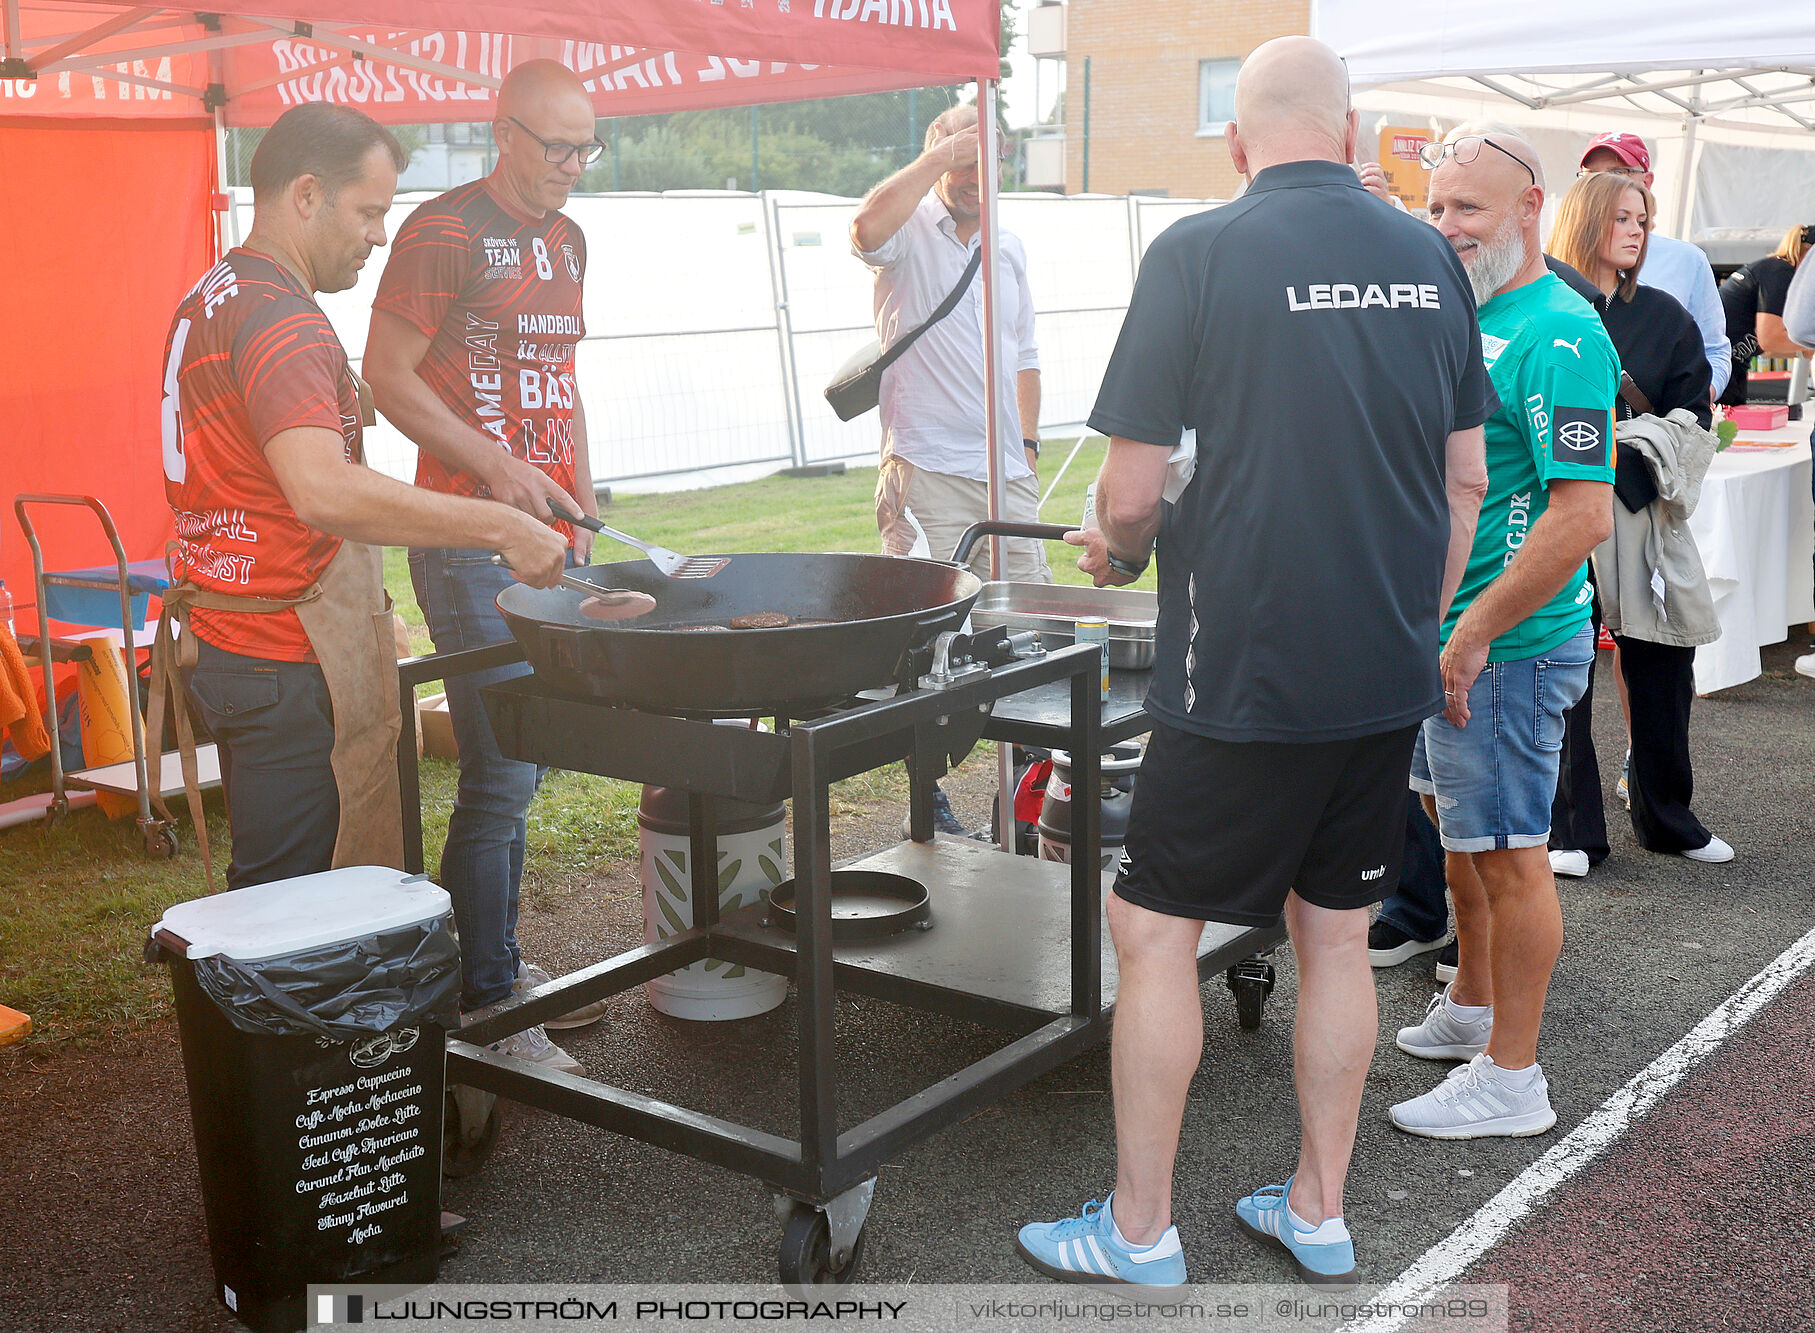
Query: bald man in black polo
[{"x": 1324, "y": 348}]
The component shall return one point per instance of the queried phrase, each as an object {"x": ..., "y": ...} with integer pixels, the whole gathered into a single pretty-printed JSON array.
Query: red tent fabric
[
  {"x": 411, "y": 61},
  {"x": 106, "y": 145}
]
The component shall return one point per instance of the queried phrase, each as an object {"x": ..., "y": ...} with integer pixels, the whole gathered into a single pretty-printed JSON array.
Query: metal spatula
[{"x": 672, "y": 563}]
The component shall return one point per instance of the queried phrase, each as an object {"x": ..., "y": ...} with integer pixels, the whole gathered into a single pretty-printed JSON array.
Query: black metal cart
[{"x": 1016, "y": 943}]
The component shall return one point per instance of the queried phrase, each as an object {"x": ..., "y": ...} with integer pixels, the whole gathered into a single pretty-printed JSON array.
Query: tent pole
[
  {"x": 989, "y": 175},
  {"x": 1685, "y": 199},
  {"x": 988, "y": 201}
]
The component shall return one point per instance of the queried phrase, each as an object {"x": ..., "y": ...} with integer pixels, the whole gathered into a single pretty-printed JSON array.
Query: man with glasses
[
  {"x": 1517, "y": 644},
  {"x": 471, "y": 355},
  {"x": 1672, "y": 266}
]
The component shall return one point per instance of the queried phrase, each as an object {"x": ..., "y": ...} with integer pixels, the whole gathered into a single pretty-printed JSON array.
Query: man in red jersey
[
  {"x": 288, "y": 625},
  {"x": 471, "y": 355}
]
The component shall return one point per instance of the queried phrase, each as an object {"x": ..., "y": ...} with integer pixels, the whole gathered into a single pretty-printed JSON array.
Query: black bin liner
[{"x": 342, "y": 991}]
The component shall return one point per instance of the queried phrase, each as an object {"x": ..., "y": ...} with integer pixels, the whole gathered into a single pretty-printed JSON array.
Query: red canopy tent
[{"x": 110, "y": 118}]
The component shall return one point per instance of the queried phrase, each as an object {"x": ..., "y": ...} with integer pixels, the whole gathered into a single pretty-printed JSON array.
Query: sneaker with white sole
[
  {"x": 1446, "y": 1035},
  {"x": 1715, "y": 852},
  {"x": 1389, "y": 946},
  {"x": 1571, "y": 863},
  {"x": 1325, "y": 1255},
  {"x": 1085, "y": 1249},
  {"x": 1474, "y": 1102},
  {"x": 529, "y": 976},
  {"x": 1448, "y": 959},
  {"x": 1623, "y": 788},
  {"x": 532, "y": 1044},
  {"x": 1805, "y": 665}
]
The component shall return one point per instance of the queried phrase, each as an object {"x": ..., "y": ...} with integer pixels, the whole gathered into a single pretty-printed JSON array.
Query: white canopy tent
[{"x": 1726, "y": 97}]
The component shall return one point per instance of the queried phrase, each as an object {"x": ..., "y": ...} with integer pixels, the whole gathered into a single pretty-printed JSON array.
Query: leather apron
[{"x": 347, "y": 617}]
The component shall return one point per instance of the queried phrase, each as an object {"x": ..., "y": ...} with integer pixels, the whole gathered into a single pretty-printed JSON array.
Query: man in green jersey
[{"x": 1516, "y": 643}]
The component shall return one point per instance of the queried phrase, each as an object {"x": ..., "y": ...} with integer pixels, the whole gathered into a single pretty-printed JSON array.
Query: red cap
[{"x": 1629, "y": 148}]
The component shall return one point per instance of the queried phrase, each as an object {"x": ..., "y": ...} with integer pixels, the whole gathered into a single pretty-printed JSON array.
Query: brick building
[{"x": 1162, "y": 78}]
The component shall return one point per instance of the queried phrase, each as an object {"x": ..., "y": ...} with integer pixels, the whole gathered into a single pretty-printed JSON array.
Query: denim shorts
[{"x": 1494, "y": 779}]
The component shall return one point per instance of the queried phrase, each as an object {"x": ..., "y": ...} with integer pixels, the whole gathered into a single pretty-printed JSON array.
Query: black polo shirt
[{"x": 1323, "y": 345}]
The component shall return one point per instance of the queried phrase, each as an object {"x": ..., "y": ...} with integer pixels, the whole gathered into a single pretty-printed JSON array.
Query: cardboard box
[
  {"x": 436, "y": 728},
  {"x": 1754, "y": 416}
]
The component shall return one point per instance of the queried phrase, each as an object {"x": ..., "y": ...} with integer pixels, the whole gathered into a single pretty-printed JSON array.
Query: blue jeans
[
  {"x": 1418, "y": 907},
  {"x": 1494, "y": 780},
  {"x": 273, "y": 727},
  {"x": 482, "y": 862}
]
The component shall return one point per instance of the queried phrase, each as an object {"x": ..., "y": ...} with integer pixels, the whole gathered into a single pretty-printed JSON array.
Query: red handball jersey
[
  {"x": 250, "y": 355},
  {"x": 498, "y": 297}
]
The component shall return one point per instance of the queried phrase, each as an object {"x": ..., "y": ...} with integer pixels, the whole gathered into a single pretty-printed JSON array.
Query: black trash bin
[{"x": 312, "y": 1014}]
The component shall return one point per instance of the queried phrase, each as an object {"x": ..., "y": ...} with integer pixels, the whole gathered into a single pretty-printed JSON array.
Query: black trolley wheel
[
  {"x": 806, "y": 1252},
  {"x": 1250, "y": 981},
  {"x": 466, "y": 1140},
  {"x": 161, "y": 841}
]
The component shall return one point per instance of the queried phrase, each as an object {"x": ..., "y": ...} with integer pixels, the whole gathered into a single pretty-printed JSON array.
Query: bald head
[
  {"x": 544, "y": 114},
  {"x": 536, "y": 86},
  {"x": 1487, "y": 196},
  {"x": 1292, "y": 104},
  {"x": 1495, "y": 167}
]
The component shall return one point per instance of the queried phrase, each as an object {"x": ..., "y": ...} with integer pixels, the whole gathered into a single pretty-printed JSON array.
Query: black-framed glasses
[
  {"x": 1466, "y": 150},
  {"x": 558, "y": 153}
]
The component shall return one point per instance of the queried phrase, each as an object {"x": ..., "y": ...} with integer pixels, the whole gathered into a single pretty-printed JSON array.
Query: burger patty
[{"x": 760, "y": 620}]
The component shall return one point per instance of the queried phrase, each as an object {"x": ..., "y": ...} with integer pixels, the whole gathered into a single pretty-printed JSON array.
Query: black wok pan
[{"x": 881, "y": 606}]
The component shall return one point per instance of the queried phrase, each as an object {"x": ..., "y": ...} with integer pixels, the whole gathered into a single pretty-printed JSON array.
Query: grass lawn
[{"x": 79, "y": 897}]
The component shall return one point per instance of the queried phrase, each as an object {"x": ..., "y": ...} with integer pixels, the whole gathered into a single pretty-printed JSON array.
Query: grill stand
[{"x": 1010, "y": 947}]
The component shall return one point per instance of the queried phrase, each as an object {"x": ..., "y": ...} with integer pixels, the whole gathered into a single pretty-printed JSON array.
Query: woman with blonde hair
[
  {"x": 1602, "y": 229},
  {"x": 1753, "y": 297}
]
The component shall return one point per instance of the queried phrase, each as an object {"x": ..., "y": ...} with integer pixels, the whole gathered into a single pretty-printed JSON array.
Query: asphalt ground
[{"x": 1697, "y": 1217}]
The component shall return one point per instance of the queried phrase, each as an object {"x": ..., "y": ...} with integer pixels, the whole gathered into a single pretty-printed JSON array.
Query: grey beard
[{"x": 1496, "y": 261}]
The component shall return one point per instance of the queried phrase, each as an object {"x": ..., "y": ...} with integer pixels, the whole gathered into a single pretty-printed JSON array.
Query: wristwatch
[
  {"x": 1032, "y": 446},
  {"x": 1128, "y": 568}
]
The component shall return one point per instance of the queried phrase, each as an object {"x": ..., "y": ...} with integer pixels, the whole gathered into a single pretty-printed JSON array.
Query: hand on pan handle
[
  {"x": 1095, "y": 560},
  {"x": 534, "y": 552}
]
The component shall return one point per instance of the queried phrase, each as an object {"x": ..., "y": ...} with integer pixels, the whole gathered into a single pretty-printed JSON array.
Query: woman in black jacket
[{"x": 1602, "y": 229}]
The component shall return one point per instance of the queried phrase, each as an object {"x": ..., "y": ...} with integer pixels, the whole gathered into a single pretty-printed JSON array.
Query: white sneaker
[
  {"x": 1571, "y": 863},
  {"x": 1444, "y": 1035},
  {"x": 1805, "y": 665},
  {"x": 529, "y": 976},
  {"x": 1475, "y": 1103},
  {"x": 1714, "y": 853},
  {"x": 532, "y": 1044}
]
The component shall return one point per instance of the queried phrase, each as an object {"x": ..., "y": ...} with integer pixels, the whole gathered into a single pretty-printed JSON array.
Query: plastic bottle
[{"x": 6, "y": 608}]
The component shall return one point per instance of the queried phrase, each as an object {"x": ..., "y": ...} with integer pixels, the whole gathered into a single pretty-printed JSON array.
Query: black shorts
[{"x": 1223, "y": 831}]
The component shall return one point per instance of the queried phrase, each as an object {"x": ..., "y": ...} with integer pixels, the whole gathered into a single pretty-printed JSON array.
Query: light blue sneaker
[
  {"x": 1084, "y": 1249},
  {"x": 1325, "y": 1264}
]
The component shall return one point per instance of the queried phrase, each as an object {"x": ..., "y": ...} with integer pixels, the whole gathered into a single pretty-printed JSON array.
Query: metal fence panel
[{"x": 715, "y": 319}]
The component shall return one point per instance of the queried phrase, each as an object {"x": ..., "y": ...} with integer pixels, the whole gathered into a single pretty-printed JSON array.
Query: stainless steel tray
[{"x": 1052, "y": 609}]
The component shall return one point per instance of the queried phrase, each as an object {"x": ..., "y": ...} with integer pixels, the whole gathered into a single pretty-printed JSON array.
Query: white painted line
[{"x": 1446, "y": 1261}]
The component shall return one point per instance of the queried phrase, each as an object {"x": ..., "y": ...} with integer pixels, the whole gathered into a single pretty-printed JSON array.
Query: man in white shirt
[
  {"x": 917, "y": 232},
  {"x": 1672, "y": 266}
]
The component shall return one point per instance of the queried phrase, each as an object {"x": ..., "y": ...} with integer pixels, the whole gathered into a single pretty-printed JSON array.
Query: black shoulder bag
[{"x": 857, "y": 387}]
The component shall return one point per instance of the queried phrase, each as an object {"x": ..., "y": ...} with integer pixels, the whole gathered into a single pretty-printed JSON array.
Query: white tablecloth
[{"x": 1754, "y": 529}]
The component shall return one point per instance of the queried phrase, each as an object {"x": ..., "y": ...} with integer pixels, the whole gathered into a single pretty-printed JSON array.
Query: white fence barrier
[{"x": 714, "y": 320}]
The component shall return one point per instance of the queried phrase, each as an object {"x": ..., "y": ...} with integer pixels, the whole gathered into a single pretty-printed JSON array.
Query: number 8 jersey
[{"x": 498, "y": 297}]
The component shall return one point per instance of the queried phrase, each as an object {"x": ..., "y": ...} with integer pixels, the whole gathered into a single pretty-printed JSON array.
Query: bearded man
[{"x": 1517, "y": 644}]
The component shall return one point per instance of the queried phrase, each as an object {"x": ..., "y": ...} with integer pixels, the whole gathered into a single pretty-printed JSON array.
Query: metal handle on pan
[{"x": 1051, "y": 532}]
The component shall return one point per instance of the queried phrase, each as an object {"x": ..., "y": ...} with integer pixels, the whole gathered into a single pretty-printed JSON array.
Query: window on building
[{"x": 1215, "y": 94}]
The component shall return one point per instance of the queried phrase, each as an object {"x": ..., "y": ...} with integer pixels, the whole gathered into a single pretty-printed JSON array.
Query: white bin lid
[{"x": 291, "y": 915}]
